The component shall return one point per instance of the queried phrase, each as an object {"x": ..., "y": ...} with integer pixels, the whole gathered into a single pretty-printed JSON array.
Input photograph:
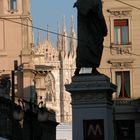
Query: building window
[
  {"x": 123, "y": 84},
  {"x": 125, "y": 129},
  {"x": 121, "y": 32},
  {"x": 13, "y": 4},
  {"x": 50, "y": 88},
  {"x": 120, "y": 27}
]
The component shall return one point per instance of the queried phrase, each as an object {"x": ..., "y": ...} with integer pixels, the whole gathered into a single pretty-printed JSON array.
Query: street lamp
[
  {"x": 42, "y": 114},
  {"x": 20, "y": 111},
  {"x": 38, "y": 113},
  {"x": 31, "y": 116}
]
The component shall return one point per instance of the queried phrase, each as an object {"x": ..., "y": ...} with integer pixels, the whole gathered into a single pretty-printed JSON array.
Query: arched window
[
  {"x": 13, "y": 4},
  {"x": 50, "y": 88}
]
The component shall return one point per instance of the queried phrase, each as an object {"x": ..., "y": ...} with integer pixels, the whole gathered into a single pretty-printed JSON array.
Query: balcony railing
[{"x": 127, "y": 101}]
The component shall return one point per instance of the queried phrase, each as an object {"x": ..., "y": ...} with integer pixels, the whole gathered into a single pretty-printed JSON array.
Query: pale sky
[{"x": 50, "y": 12}]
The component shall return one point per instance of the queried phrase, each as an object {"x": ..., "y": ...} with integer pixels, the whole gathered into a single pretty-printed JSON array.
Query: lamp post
[
  {"x": 28, "y": 115},
  {"x": 22, "y": 113},
  {"x": 13, "y": 80},
  {"x": 13, "y": 86},
  {"x": 13, "y": 99}
]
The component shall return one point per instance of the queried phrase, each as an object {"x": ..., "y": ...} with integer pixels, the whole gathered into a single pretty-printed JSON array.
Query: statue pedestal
[{"x": 92, "y": 111}]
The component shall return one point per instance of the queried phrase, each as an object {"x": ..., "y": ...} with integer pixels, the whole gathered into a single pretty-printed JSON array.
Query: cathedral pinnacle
[
  {"x": 58, "y": 39},
  {"x": 72, "y": 52},
  {"x": 64, "y": 40},
  {"x": 48, "y": 33},
  {"x": 38, "y": 40}
]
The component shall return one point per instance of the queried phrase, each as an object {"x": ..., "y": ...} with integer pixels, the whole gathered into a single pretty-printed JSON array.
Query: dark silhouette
[
  {"x": 91, "y": 31},
  {"x": 5, "y": 84}
]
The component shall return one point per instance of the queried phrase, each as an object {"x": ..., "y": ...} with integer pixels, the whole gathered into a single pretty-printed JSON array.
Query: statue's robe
[{"x": 91, "y": 31}]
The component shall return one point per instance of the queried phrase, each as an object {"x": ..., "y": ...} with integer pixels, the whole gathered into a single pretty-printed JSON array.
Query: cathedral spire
[
  {"x": 58, "y": 38},
  {"x": 72, "y": 24},
  {"x": 72, "y": 52},
  {"x": 38, "y": 40},
  {"x": 48, "y": 33},
  {"x": 33, "y": 38},
  {"x": 64, "y": 24},
  {"x": 64, "y": 39}
]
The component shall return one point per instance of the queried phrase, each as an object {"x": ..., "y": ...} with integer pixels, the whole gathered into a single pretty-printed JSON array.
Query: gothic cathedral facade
[{"x": 40, "y": 71}]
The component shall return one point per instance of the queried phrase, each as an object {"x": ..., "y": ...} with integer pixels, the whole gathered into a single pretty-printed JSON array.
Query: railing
[{"x": 127, "y": 101}]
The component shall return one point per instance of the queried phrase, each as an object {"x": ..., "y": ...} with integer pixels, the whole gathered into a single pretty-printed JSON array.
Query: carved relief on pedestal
[{"x": 92, "y": 98}]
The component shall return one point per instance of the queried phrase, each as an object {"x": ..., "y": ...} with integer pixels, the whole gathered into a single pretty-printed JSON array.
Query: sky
[{"x": 51, "y": 12}]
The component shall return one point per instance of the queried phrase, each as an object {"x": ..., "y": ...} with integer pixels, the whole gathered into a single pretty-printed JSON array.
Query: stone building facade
[
  {"x": 121, "y": 61},
  {"x": 59, "y": 62},
  {"x": 121, "y": 56}
]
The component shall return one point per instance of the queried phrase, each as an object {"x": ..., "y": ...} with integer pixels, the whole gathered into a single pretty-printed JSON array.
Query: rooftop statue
[{"x": 91, "y": 32}]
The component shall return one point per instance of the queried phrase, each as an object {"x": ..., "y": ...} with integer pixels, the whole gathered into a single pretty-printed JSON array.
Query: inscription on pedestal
[{"x": 93, "y": 129}]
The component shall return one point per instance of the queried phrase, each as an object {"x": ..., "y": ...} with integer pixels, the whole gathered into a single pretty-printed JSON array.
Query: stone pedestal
[{"x": 92, "y": 109}]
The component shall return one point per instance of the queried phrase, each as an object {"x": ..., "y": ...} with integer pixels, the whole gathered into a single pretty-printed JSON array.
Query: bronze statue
[{"x": 91, "y": 31}]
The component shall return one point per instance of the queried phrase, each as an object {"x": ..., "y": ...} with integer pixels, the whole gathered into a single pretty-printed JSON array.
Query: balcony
[
  {"x": 127, "y": 101},
  {"x": 127, "y": 108}
]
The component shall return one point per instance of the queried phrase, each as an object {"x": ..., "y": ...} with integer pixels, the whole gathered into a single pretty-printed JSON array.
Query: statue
[{"x": 91, "y": 32}]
